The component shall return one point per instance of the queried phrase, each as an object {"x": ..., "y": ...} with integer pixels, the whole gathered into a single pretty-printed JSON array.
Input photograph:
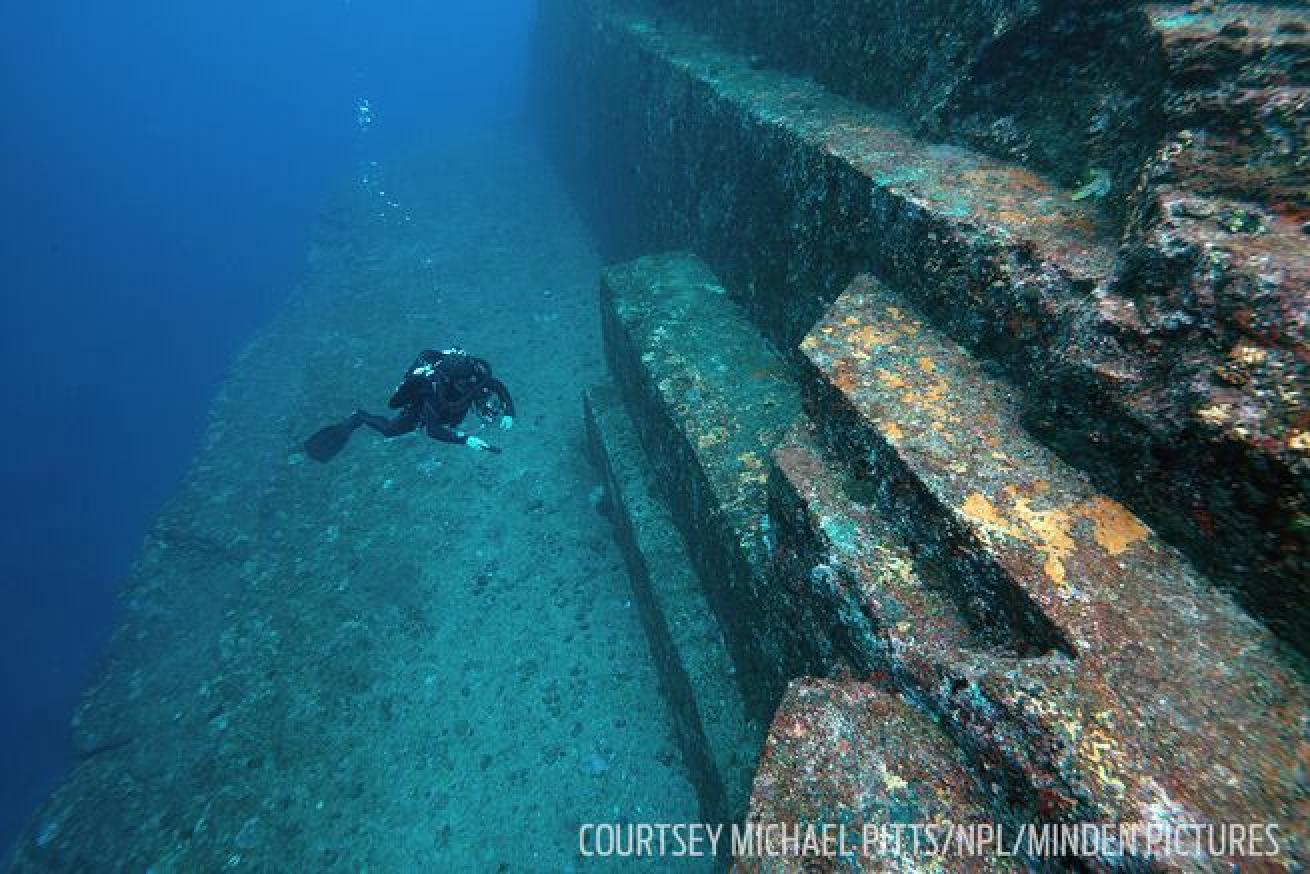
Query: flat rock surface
[
  {"x": 959, "y": 185},
  {"x": 727, "y": 393}
]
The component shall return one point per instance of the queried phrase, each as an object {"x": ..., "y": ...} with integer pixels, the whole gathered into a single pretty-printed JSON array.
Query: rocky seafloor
[{"x": 416, "y": 657}]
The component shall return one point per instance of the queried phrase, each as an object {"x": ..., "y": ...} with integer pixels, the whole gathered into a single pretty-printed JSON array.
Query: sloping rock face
[
  {"x": 1131, "y": 255},
  {"x": 1037, "y": 273},
  {"x": 1057, "y": 85},
  {"x": 1194, "y": 355}
]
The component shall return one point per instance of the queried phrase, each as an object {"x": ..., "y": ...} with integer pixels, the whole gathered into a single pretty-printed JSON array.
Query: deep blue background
[{"x": 161, "y": 167}]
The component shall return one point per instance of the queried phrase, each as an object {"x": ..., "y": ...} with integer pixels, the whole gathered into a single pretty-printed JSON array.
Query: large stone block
[
  {"x": 849, "y": 755},
  {"x": 893, "y": 618},
  {"x": 1169, "y": 364},
  {"x": 710, "y": 401},
  {"x": 719, "y": 742},
  {"x": 1174, "y": 693},
  {"x": 1070, "y": 89}
]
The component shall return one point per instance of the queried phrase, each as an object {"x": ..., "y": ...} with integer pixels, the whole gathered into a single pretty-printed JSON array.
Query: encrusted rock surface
[
  {"x": 1173, "y": 695},
  {"x": 719, "y": 742},
  {"x": 819, "y": 768},
  {"x": 1150, "y": 308},
  {"x": 1043, "y": 270},
  {"x": 1195, "y": 354},
  {"x": 1066, "y": 88},
  {"x": 787, "y": 189},
  {"x": 709, "y": 399},
  {"x": 908, "y": 532}
]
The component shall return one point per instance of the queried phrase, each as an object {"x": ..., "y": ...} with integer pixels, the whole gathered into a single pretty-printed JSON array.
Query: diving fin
[{"x": 326, "y": 443}]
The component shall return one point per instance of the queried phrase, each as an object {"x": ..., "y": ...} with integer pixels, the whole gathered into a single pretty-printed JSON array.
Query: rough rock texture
[
  {"x": 1063, "y": 87},
  {"x": 1045, "y": 279},
  {"x": 1044, "y": 269},
  {"x": 1149, "y": 308},
  {"x": 1194, "y": 357},
  {"x": 1169, "y": 689},
  {"x": 819, "y": 767},
  {"x": 908, "y": 532},
  {"x": 781, "y": 564},
  {"x": 719, "y": 743},
  {"x": 709, "y": 400}
]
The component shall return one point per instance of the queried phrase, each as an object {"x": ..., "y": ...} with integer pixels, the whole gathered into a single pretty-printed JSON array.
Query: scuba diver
[{"x": 437, "y": 393}]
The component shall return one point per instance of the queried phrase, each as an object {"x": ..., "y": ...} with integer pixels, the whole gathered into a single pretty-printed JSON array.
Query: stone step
[
  {"x": 803, "y": 584},
  {"x": 710, "y": 401},
  {"x": 830, "y": 517},
  {"x": 886, "y": 607},
  {"x": 849, "y": 754},
  {"x": 788, "y": 189},
  {"x": 1172, "y": 368},
  {"x": 1024, "y": 80},
  {"x": 719, "y": 743},
  {"x": 922, "y": 47},
  {"x": 833, "y": 543},
  {"x": 1172, "y": 694}
]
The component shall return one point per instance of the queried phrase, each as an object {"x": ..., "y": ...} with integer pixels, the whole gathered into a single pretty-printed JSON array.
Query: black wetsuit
[{"x": 437, "y": 392}]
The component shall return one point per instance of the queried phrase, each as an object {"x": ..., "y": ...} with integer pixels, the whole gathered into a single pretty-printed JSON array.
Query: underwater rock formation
[
  {"x": 1032, "y": 457},
  {"x": 1153, "y": 317},
  {"x": 417, "y": 658}
]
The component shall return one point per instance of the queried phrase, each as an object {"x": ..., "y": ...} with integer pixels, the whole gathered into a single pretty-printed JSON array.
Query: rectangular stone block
[
  {"x": 710, "y": 401},
  {"x": 848, "y": 754},
  {"x": 719, "y": 742},
  {"x": 1172, "y": 684}
]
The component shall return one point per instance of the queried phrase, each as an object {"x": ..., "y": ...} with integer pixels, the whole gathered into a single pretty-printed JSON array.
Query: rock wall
[
  {"x": 1148, "y": 307},
  {"x": 1038, "y": 276},
  {"x": 1067, "y": 88}
]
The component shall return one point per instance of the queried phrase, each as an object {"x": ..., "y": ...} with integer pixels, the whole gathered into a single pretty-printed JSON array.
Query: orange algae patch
[
  {"x": 892, "y": 380},
  {"x": 845, "y": 378},
  {"x": 1050, "y": 532},
  {"x": 869, "y": 336},
  {"x": 1050, "y": 536},
  {"x": 979, "y": 508},
  {"x": 1046, "y": 531},
  {"x": 1116, "y": 529}
]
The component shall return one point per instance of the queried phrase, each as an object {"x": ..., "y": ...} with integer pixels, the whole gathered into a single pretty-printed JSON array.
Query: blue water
[{"x": 163, "y": 167}]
